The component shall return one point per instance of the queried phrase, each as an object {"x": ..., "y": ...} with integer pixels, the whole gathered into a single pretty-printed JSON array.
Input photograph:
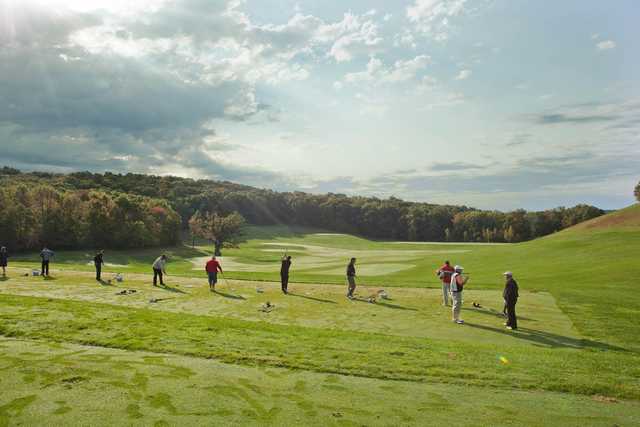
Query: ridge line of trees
[{"x": 367, "y": 216}]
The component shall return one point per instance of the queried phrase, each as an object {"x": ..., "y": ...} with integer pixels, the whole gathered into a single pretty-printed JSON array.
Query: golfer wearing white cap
[
  {"x": 457, "y": 285},
  {"x": 510, "y": 295}
]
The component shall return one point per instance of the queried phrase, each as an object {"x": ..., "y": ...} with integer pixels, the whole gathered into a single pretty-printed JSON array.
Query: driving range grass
[
  {"x": 67, "y": 384},
  {"x": 561, "y": 367},
  {"x": 319, "y": 358}
]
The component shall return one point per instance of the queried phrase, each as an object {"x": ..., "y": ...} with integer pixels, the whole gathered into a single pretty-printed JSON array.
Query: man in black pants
[
  {"x": 159, "y": 266},
  {"x": 510, "y": 295},
  {"x": 351, "y": 278},
  {"x": 46, "y": 255},
  {"x": 98, "y": 261},
  {"x": 284, "y": 273}
]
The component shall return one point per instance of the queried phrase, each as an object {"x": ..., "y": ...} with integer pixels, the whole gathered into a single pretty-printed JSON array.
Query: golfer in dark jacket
[
  {"x": 4, "y": 260},
  {"x": 98, "y": 261},
  {"x": 46, "y": 254},
  {"x": 351, "y": 277},
  {"x": 510, "y": 295},
  {"x": 284, "y": 273}
]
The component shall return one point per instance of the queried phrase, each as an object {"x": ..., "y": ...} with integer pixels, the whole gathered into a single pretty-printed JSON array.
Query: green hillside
[{"x": 576, "y": 354}]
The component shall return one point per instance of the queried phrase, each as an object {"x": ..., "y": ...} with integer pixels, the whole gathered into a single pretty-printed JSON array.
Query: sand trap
[
  {"x": 449, "y": 243},
  {"x": 373, "y": 269},
  {"x": 108, "y": 264}
]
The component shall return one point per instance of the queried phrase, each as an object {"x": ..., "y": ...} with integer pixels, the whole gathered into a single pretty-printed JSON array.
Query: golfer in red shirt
[
  {"x": 212, "y": 268},
  {"x": 444, "y": 273}
]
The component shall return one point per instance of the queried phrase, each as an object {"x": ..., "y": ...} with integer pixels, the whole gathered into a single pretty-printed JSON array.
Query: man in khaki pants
[{"x": 457, "y": 285}]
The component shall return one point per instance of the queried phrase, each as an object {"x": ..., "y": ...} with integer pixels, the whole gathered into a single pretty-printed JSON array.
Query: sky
[{"x": 496, "y": 104}]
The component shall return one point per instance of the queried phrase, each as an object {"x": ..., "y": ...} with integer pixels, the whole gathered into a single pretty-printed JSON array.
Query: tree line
[
  {"x": 34, "y": 216},
  {"x": 372, "y": 217}
]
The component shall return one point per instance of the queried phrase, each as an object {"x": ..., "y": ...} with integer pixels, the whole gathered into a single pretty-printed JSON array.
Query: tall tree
[{"x": 216, "y": 228}]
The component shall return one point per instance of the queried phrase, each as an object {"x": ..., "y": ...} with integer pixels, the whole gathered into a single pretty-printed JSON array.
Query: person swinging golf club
[
  {"x": 212, "y": 267},
  {"x": 284, "y": 273},
  {"x": 457, "y": 285},
  {"x": 98, "y": 262},
  {"x": 351, "y": 277}
]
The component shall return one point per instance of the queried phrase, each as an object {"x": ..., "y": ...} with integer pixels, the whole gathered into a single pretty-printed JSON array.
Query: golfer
[
  {"x": 351, "y": 277},
  {"x": 457, "y": 285},
  {"x": 212, "y": 268},
  {"x": 98, "y": 261},
  {"x": 284, "y": 273},
  {"x": 4, "y": 260},
  {"x": 159, "y": 267},
  {"x": 510, "y": 295},
  {"x": 444, "y": 273},
  {"x": 46, "y": 255}
]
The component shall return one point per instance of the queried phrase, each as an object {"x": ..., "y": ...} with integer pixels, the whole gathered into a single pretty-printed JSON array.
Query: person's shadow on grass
[
  {"x": 230, "y": 296},
  {"x": 327, "y": 301},
  {"x": 49, "y": 278},
  {"x": 171, "y": 289},
  {"x": 104, "y": 283},
  {"x": 493, "y": 312},
  {"x": 548, "y": 339},
  {"x": 4, "y": 278},
  {"x": 384, "y": 304}
]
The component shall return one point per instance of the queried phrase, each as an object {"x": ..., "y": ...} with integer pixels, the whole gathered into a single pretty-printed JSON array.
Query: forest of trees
[
  {"x": 367, "y": 216},
  {"x": 34, "y": 216}
]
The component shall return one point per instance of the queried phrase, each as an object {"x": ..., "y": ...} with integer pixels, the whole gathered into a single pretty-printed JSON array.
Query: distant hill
[{"x": 623, "y": 218}]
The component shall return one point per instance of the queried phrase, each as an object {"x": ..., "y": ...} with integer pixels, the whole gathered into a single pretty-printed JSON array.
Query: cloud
[
  {"x": 593, "y": 113},
  {"x": 463, "y": 74},
  {"x": 377, "y": 73},
  {"x": 74, "y": 102},
  {"x": 606, "y": 45},
  {"x": 519, "y": 139},
  {"x": 455, "y": 166},
  {"x": 547, "y": 119},
  {"x": 433, "y": 17},
  {"x": 513, "y": 183}
]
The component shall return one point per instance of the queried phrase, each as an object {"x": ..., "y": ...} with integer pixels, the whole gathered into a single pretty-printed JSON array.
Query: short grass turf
[
  {"x": 415, "y": 312},
  {"x": 537, "y": 358},
  {"x": 66, "y": 384},
  {"x": 578, "y": 334}
]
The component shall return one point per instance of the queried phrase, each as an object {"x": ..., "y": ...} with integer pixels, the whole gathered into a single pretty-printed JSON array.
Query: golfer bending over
[
  {"x": 444, "y": 273},
  {"x": 457, "y": 285},
  {"x": 159, "y": 267},
  {"x": 351, "y": 277},
  {"x": 510, "y": 295},
  {"x": 212, "y": 268}
]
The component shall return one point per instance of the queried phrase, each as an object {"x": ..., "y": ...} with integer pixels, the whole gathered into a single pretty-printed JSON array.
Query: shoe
[
  {"x": 460, "y": 322},
  {"x": 505, "y": 324},
  {"x": 510, "y": 328}
]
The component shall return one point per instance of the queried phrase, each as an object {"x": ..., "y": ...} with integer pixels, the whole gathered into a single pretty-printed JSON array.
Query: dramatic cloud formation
[{"x": 329, "y": 96}]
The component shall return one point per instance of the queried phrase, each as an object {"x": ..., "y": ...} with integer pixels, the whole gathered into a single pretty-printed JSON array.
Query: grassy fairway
[
  {"x": 66, "y": 384},
  {"x": 319, "y": 358}
]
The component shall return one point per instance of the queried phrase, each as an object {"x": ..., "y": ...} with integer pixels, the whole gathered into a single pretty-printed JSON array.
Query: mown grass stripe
[{"x": 328, "y": 351}]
